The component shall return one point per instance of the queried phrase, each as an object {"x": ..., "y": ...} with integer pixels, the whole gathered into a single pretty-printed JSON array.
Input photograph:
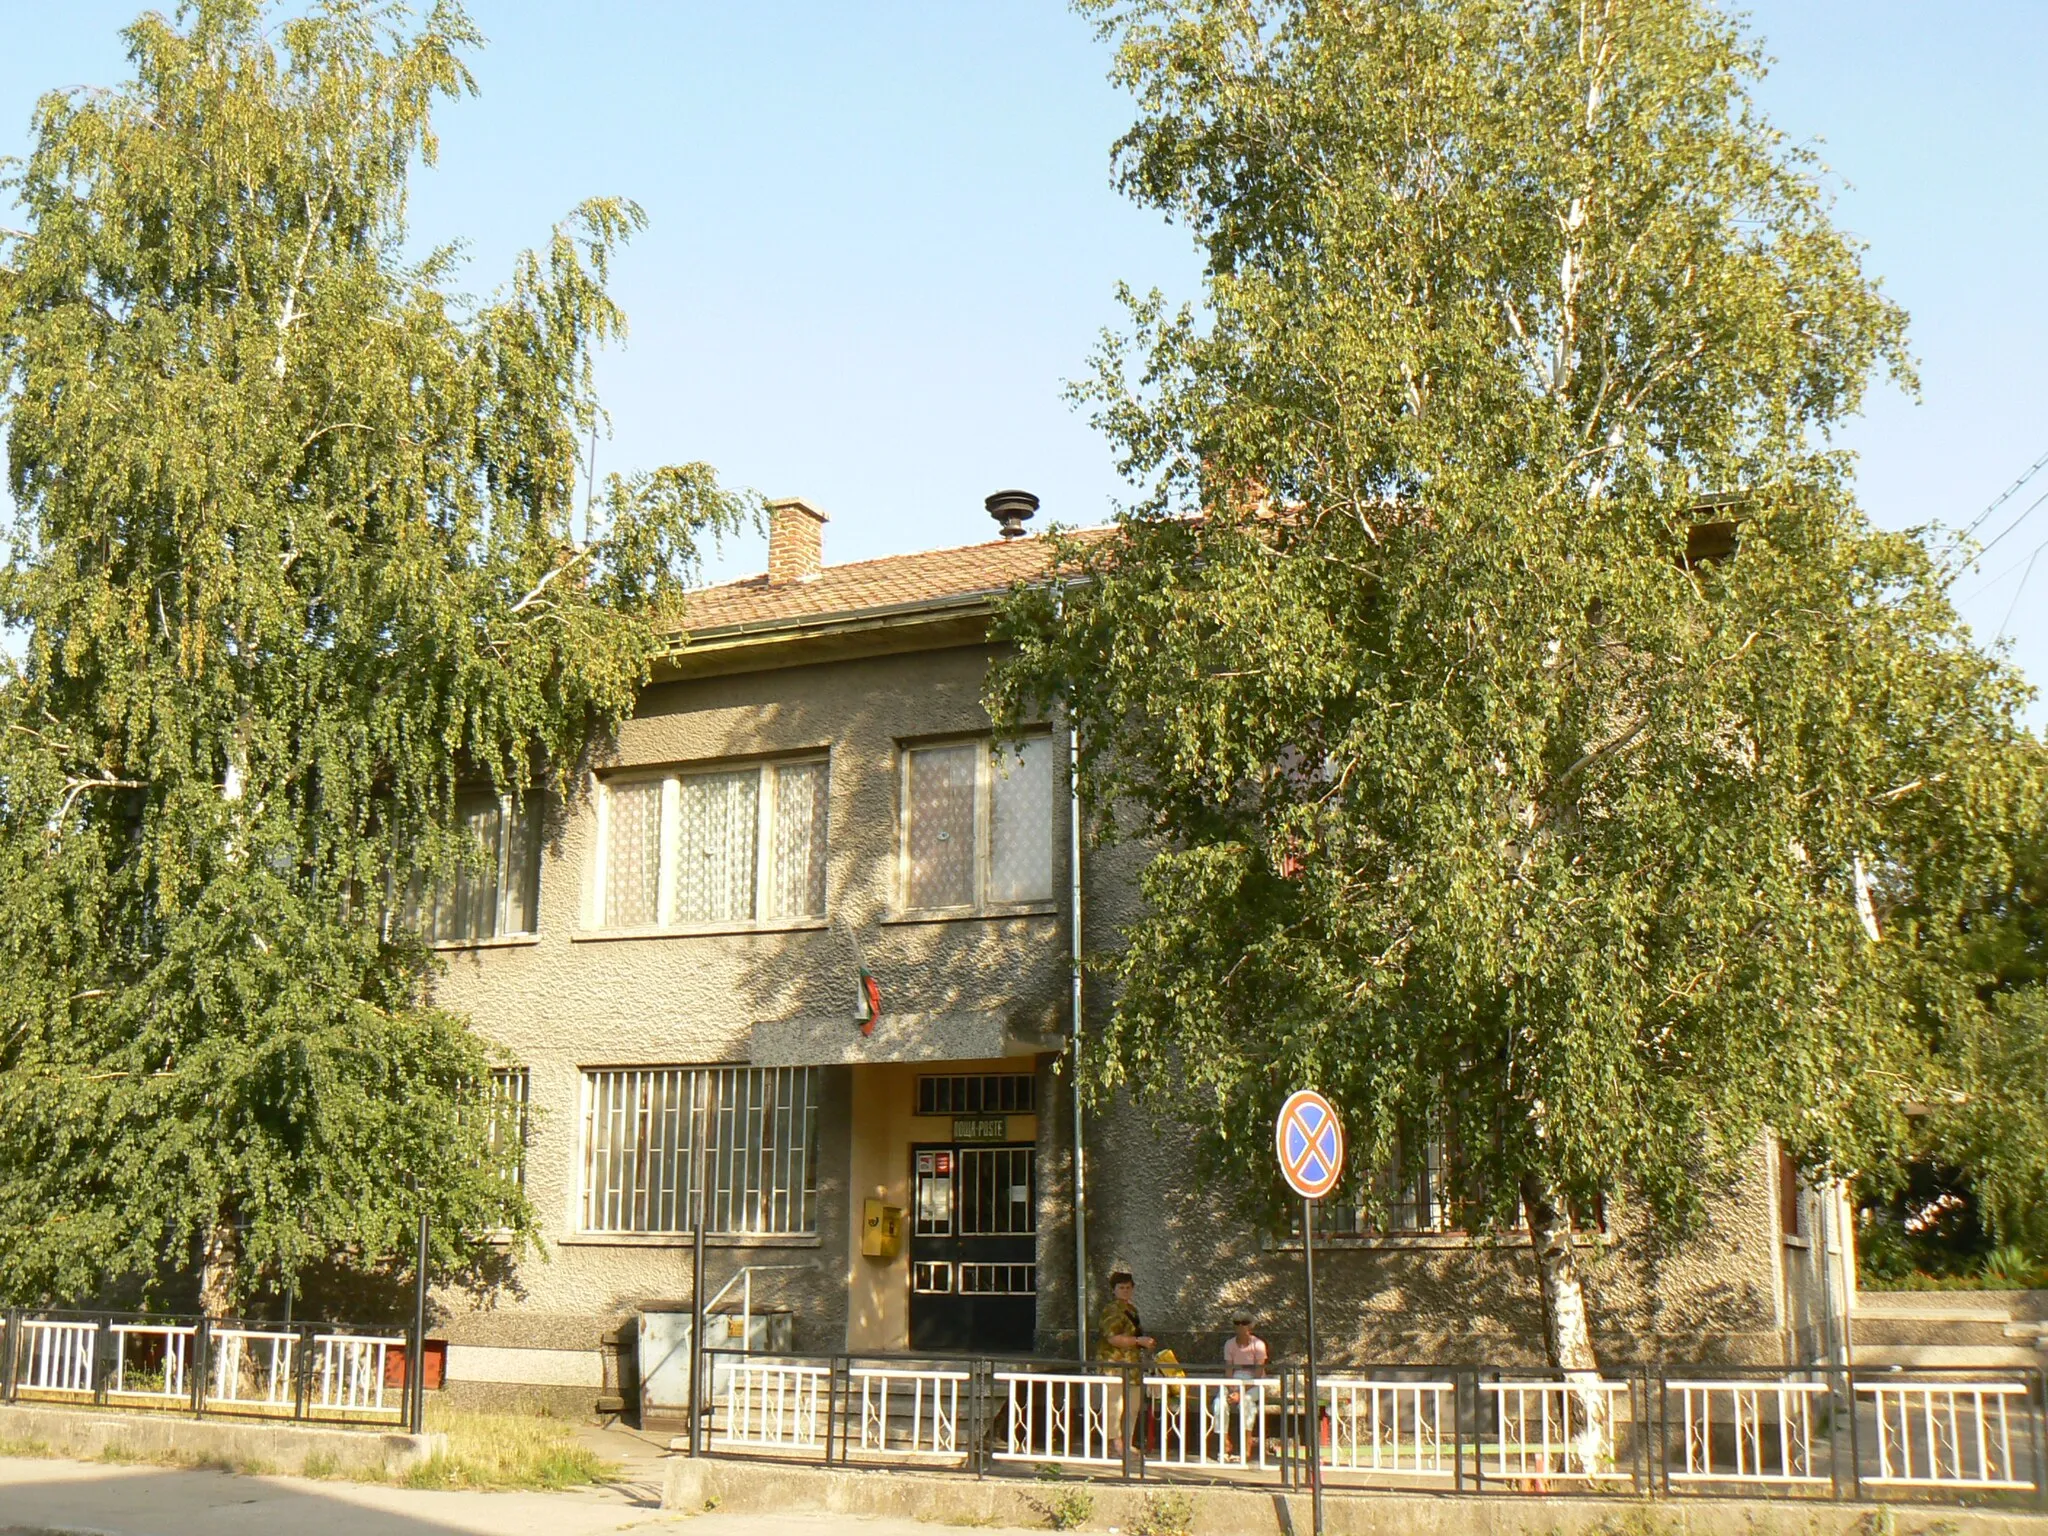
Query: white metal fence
[
  {"x": 1754, "y": 1431},
  {"x": 60, "y": 1356},
  {"x": 774, "y": 1407},
  {"x": 152, "y": 1361},
  {"x": 351, "y": 1370},
  {"x": 132, "y": 1362},
  {"x": 909, "y": 1412},
  {"x": 1548, "y": 1430},
  {"x": 1210, "y": 1422},
  {"x": 1070, "y": 1419},
  {"x": 1948, "y": 1433},
  {"x": 1404, "y": 1429},
  {"x": 1809, "y": 1432}
]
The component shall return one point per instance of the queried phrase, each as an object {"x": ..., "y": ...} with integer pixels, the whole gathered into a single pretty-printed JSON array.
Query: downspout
[{"x": 1074, "y": 1039}]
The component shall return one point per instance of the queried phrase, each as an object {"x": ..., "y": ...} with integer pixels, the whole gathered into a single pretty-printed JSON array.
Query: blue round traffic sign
[{"x": 1310, "y": 1143}]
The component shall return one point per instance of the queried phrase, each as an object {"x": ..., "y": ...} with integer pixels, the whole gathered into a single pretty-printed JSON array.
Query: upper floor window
[
  {"x": 717, "y": 845},
  {"x": 497, "y": 895},
  {"x": 978, "y": 823}
]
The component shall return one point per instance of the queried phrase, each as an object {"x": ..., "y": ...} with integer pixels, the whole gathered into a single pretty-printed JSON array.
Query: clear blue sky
[{"x": 882, "y": 235}]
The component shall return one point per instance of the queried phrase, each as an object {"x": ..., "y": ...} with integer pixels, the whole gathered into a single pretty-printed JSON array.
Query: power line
[
  {"x": 2014, "y": 606},
  {"x": 1949, "y": 578},
  {"x": 2003, "y": 497}
]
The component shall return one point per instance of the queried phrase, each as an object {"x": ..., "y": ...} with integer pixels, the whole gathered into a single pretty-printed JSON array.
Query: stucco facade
[{"x": 970, "y": 992}]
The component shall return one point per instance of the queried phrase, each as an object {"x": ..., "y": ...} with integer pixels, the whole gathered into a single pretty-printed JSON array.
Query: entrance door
[{"x": 974, "y": 1249}]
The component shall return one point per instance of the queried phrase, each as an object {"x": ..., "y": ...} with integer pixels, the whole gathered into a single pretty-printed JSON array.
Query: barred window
[
  {"x": 710, "y": 846},
  {"x": 643, "y": 1128},
  {"x": 978, "y": 1093},
  {"x": 492, "y": 895},
  {"x": 978, "y": 823},
  {"x": 1413, "y": 1194},
  {"x": 509, "y": 1096}
]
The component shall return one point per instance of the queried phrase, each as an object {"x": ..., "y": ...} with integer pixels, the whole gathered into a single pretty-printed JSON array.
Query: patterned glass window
[
  {"x": 797, "y": 862},
  {"x": 942, "y": 785},
  {"x": 978, "y": 824},
  {"x": 717, "y": 825},
  {"x": 632, "y": 854},
  {"x": 647, "y": 1130},
  {"x": 725, "y": 845},
  {"x": 493, "y": 893},
  {"x": 1020, "y": 820}
]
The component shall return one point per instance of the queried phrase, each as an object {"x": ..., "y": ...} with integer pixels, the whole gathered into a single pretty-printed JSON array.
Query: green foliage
[
  {"x": 1476, "y": 801},
  {"x": 1165, "y": 1514},
  {"x": 1066, "y": 1510},
  {"x": 295, "y": 554}
]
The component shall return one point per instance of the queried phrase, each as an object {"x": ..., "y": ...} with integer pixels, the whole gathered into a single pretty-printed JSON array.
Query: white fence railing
[
  {"x": 350, "y": 1369},
  {"x": 775, "y": 1407},
  {"x": 1210, "y": 1422},
  {"x": 1391, "y": 1428},
  {"x": 908, "y": 1412},
  {"x": 58, "y": 1356},
  {"x": 1062, "y": 1419},
  {"x": 252, "y": 1368},
  {"x": 1556, "y": 1429},
  {"x": 1947, "y": 1434},
  {"x": 1754, "y": 1431},
  {"x": 152, "y": 1361}
]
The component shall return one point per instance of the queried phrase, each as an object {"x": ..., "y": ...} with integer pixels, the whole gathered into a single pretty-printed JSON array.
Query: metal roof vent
[{"x": 1011, "y": 509}]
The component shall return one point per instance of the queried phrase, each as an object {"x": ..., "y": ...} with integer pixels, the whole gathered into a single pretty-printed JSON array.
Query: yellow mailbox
[{"x": 881, "y": 1229}]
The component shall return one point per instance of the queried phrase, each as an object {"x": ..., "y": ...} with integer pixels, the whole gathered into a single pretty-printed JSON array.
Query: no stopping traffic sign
[{"x": 1310, "y": 1144}]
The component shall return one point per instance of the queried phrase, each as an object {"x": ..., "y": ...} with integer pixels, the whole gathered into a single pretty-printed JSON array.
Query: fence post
[
  {"x": 102, "y": 1359},
  {"x": 10, "y": 1354},
  {"x": 302, "y": 1372},
  {"x": 1855, "y": 1445},
  {"x": 2040, "y": 1437},
  {"x": 202, "y": 1347}
]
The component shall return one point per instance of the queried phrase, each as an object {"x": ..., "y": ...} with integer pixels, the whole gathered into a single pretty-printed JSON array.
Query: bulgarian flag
[
  {"x": 867, "y": 992},
  {"x": 867, "y": 1006}
]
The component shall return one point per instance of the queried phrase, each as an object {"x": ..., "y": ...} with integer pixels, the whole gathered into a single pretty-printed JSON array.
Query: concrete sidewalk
[{"x": 42, "y": 1497}]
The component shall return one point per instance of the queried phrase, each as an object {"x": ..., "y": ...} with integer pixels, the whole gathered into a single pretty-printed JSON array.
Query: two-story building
[{"x": 808, "y": 797}]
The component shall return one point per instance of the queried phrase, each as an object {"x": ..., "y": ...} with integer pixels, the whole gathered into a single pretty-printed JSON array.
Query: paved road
[{"x": 41, "y": 1498}]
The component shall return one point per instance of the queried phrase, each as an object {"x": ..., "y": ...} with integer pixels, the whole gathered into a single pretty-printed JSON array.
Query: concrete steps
[{"x": 1991, "y": 1329}]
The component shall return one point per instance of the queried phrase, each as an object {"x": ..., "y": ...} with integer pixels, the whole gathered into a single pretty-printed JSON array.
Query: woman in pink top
[{"x": 1244, "y": 1359}]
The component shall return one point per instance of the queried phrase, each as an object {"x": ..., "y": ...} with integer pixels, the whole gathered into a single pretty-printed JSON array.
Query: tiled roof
[{"x": 893, "y": 581}]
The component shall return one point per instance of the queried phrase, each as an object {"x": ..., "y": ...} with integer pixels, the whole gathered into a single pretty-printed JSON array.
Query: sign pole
[
  {"x": 1314, "y": 1433},
  {"x": 1309, "y": 1141}
]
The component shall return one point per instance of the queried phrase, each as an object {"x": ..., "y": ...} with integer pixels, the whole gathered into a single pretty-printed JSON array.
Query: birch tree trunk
[
  {"x": 219, "y": 1255},
  {"x": 1567, "y": 1335}
]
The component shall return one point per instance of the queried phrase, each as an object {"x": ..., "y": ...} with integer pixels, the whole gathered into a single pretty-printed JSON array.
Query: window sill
[
  {"x": 972, "y": 914},
  {"x": 1792, "y": 1241},
  {"x": 1425, "y": 1242},
  {"x": 701, "y": 930},
  {"x": 686, "y": 1240},
  {"x": 507, "y": 941}
]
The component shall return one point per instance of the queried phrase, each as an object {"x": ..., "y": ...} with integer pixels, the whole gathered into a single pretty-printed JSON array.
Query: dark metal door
[{"x": 974, "y": 1248}]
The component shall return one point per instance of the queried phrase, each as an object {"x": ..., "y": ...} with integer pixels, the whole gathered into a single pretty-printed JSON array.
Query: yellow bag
[{"x": 1168, "y": 1363}]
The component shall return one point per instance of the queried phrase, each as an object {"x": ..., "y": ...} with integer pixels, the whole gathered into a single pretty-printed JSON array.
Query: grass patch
[
  {"x": 25, "y": 1448},
  {"x": 504, "y": 1450}
]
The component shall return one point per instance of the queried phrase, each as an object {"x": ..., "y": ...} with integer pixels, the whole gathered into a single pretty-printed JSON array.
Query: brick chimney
[{"x": 796, "y": 541}]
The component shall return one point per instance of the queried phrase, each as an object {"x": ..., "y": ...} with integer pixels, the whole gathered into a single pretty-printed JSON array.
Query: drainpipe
[{"x": 1074, "y": 1041}]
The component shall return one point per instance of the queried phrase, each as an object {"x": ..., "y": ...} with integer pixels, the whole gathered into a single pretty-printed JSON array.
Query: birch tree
[
  {"x": 1537, "y": 745},
  {"x": 296, "y": 554}
]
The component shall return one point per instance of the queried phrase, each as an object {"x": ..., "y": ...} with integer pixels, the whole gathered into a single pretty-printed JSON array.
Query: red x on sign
[{"x": 1310, "y": 1143}]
